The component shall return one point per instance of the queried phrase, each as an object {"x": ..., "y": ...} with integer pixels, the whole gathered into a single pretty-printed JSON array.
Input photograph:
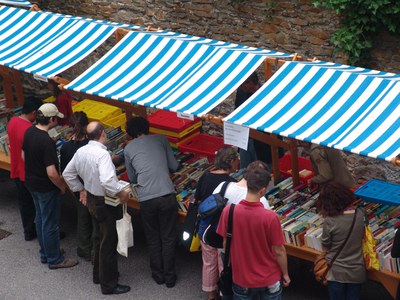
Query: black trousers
[
  {"x": 105, "y": 241},
  {"x": 26, "y": 209},
  {"x": 159, "y": 224},
  {"x": 84, "y": 229}
]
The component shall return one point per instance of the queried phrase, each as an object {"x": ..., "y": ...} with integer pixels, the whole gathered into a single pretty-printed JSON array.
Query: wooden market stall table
[
  {"x": 388, "y": 279},
  {"x": 5, "y": 162}
]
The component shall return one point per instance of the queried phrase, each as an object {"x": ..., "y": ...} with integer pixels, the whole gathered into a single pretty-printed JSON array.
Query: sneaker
[{"x": 67, "y": 263}]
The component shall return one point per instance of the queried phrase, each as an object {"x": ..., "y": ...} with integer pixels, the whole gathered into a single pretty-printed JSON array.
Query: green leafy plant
[{"x": 361, "y": 21}]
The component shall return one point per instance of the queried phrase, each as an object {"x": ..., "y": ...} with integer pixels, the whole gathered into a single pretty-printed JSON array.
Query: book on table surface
[
  {"x": 307, "y": 216},
  {"x": 181, "y": 206},
  {"x": 285, "y": 222},
  {"x": 395, "y": 213},
  {"x": 294, "y": 235},
  {"x": 297, "y": 213},
  {"x": 302, "y": 213},
  {"x": 386, "y": 235},
  {"x": 309, "y": 204},
  {"x": 300, "y": 238},
  {"x": 317, "y": 240},
  {"x": 312, "y": 220},
  {"x": 289, "y": 198},
  {"x": 307, "y": 236},
  {"x": 283, "y": 208}
]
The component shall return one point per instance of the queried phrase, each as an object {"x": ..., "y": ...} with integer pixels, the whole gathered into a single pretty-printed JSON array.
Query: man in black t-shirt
[{"x": 43, "y": 181}]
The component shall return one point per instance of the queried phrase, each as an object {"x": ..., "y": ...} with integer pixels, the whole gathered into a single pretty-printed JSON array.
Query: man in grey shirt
[{"x": 149, "y": 160}]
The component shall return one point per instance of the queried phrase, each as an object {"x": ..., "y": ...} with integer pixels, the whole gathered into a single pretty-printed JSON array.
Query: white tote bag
[{"x": 125, "y": 232}]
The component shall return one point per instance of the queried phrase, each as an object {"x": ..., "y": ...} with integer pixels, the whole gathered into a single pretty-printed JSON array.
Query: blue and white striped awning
[
  {"x": 328, "y": 106},
  {"x": 355, "y": 70},
  {"x": 216, "y": 43},
  {"x": 45, "y": 44},
  {"x": 167, "y": 73},
  {"x": 16, "y": 3}
]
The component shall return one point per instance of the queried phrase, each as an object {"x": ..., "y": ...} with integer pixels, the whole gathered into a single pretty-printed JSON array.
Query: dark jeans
[
  {"x": 26, "y": 209},
  {"x": 84, "y": 229},
  {"x": 241, "y": 293},
  {"x": 47, "y": 225},
  {"x": 105, "y": 241},
  {"x": 159, "y": 224},
  {"x": 344, "y": 291}
]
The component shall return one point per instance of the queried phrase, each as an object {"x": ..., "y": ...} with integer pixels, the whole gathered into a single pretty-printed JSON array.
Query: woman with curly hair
[
  {"x": 345, "y": 277},
  {"x": 226, "y": 162}
]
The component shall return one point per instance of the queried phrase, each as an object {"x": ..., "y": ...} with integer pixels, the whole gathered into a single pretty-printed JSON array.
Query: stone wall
[{"x": 289, "y": 26}]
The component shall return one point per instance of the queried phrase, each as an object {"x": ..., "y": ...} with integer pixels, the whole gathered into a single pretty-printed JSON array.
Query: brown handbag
[{"x": 322, "y": 265}]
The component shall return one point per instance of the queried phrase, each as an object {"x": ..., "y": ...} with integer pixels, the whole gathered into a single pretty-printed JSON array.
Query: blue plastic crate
[{"x": 378, "y": 191}]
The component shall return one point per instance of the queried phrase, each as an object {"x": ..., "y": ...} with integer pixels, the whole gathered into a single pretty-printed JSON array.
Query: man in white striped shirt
[{"x": 93, "y": 165}]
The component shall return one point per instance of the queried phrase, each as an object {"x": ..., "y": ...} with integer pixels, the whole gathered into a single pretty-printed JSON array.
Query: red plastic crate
[
  {"x": 168, "y": 120},
  {"x": 202, "y": 144},
  {"x": 285, "y": 166}
]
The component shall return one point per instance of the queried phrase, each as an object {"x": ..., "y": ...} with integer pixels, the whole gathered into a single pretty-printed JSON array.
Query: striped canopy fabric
[
  {"x": 226, "y": 45},
  {"x": 16, "y": 3},
  {"x": 355, "y": 70},
  {"x": 328, "y": 106},
  {"x": 167, "y": 73},
  {"x": 45, "y": 44}
]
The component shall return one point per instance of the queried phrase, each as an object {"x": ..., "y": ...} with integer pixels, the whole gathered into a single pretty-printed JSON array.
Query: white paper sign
[
  {"x": 236, "y": 135},
  {"x": 185, "y": 116},
  {"x": 40, "y": 77}
]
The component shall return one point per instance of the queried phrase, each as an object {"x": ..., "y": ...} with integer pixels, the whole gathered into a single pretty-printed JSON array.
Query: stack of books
[{"x": 114, "y": 201}]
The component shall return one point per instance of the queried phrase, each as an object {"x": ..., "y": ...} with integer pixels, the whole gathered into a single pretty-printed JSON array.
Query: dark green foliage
[{"x": 362, "y": 20}]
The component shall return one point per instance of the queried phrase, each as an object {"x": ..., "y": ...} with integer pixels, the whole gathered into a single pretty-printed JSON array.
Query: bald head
[{"x": 94, "y": 130}]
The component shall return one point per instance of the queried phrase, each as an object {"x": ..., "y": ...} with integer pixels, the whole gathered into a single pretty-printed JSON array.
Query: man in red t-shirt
[
  {"x": 258, "y": 254},
  {"x": 16, "y": 129}
]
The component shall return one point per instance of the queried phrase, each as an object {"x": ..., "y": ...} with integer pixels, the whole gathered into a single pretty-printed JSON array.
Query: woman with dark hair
[
  {"x": 335, "y": 204},
  {"x": 79, "y": 122},
  {"x": 226, "y": 162},
  {"x": 63, "y": 101}
]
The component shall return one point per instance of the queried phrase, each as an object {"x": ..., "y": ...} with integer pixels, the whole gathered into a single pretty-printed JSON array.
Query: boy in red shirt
[
  {"x": 16, "y": 130},
  {"x": 258, "y": 254}
]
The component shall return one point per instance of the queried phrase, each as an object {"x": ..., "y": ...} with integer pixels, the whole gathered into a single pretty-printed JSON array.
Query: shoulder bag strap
[
  {"x": 229, "y": 237},
  {"x": 347, "y": 238},
  {"x": 223, "y": 188}
]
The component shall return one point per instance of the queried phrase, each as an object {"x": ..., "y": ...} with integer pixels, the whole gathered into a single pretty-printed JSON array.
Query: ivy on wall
[{"x": 362, "y": 20}]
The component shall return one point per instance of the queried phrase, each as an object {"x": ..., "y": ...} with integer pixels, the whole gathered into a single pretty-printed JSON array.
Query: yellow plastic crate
[
  {"x": 176, "y": 134},
  {"x": 119, "y": 120},
  {"x": 97, "y": 111},
  {"x": 50, "y": 99}
]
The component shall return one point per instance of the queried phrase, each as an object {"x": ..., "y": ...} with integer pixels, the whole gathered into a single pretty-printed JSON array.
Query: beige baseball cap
[{"x": 50, "y": 110}]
